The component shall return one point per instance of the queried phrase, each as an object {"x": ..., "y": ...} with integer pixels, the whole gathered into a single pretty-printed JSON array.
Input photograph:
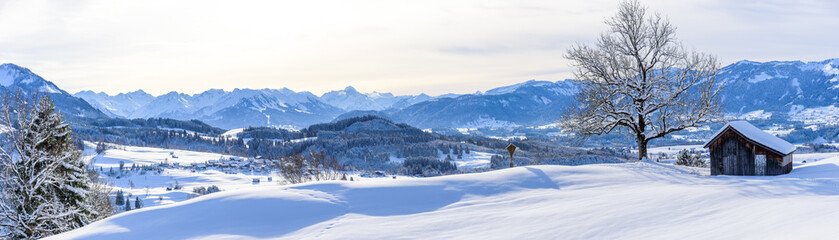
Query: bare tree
[
  {"x": 638, "y": 80},
  {"x": 292, "y": 169}
]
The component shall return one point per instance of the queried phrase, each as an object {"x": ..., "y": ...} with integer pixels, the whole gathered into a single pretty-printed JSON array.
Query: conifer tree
[
  {"x": 138, "y": 203},
  {"x": 43, "y": 182},
  {"x": 120, "y": 199}
]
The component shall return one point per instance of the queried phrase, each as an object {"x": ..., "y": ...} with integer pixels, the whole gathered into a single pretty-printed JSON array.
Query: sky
[{"x": 404, "y": 47}]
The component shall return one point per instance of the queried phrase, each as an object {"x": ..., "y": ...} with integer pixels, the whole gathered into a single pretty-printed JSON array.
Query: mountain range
[
  {"x": 14, "y": 78},
  {"x": 786, "y": 89},
  {"x": 793, "y": 88}
]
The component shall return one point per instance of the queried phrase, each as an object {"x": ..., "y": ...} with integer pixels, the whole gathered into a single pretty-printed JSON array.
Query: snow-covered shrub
[
  {"x": 297, "y": 168},
  {"x": 101, "y": 147},
  {"x": 292, "y": 169},
  {"x": 497, "y": 162},
  {"x": 690, "y": 159},
  {"x": 199, "y": 191}
]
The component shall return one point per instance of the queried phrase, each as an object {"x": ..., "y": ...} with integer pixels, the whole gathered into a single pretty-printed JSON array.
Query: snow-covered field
[
  {"x": 643, "y": 200},
  {"x": 151, "y": 187},
  {"x": 473, "y": 160},
  {"x": 672, "y": 150}
]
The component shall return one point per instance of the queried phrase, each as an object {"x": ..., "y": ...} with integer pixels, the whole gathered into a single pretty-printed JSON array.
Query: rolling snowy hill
[{"x": 644, "y": 200}]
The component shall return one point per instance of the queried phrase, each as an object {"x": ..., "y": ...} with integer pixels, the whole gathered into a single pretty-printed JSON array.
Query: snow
[
  {"x": 815, "y": 115},
  {"x": 797, "y": 85},
  {"x": 643, "y": 200},
  {"x": 549, "y": 126},
  {"x": 473, "y": 160},
  {"x": 750, "y": 131},
  {"x": 541, "y": 99},
  {"x": 7, "y": 79},
  {"x": 489, "y": 122},
  {"x": 779, "y": 131},
  {"x": 756, "y": 115},
  {"x": 830, "y": 70},
  {"x": 48, "y": 89},
  {"x": 233, "y": 132},
  {"x": 148, "y": 156},
  {"x": 151, "y": 187},
  {"x": 760, "y": 78},
  {"x": 672, "y": 149}
]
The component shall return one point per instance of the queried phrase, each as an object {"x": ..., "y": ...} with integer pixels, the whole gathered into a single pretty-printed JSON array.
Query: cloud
[{"x": 401, "y": 46}]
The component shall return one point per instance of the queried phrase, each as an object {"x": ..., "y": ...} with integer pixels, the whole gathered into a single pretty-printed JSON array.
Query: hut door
[
  {"x": 729, "y": 160},
  {"x": 760, "y": 165}
]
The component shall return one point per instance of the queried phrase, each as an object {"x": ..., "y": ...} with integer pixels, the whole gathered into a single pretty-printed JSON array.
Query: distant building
[
  {"x": 199, "y": 165},
  {"x": 740, "y": 148}
]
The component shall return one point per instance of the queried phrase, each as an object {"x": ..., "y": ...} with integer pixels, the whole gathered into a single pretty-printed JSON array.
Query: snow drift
[{"x": 607, "y": 201}]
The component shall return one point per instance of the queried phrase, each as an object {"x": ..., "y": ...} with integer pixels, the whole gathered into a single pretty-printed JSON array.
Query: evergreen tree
[
  {"x": 44, "y": 185},
  {"x": 120, "y": 199},
  {"x": 138, "y": 203},
  {"x": 127, "y": 205}
]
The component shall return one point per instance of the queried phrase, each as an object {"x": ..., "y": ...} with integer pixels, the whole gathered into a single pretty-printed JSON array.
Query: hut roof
[{"x": 756, "y": 135}]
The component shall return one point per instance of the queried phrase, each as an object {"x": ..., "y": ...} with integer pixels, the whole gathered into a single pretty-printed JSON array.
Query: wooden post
[{"x": 511, "y": 148}]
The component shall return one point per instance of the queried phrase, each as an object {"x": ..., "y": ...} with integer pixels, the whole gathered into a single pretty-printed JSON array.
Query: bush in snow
[
  {"x": 198, "y": 191},
  {"x": 292, "y": 169},
  {"x": 690, "y": 159},
  {"x": 321, "y": 167},
  {"x": 101, "y": 147},
  {"x": 297, "y": 168},
  {"x": 100, "y": 195},
  {"x": 497, "y": 162}
]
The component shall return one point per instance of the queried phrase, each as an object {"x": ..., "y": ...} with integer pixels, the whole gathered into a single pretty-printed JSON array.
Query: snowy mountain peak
[
  {"x": 12, "y": 76},
  {"x": 745, "y": 62},
  {"x": 375, "y": 95},
  {"x": 11, "y": 73},
  {"x": 350, "y": 89},
  {"x": 561, "y": 87}
]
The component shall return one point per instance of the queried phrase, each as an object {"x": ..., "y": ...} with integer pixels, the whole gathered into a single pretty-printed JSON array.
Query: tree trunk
[{"x": 642, "y": 148}]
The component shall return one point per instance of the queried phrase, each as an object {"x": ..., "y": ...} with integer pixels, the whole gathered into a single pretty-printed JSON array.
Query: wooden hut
[{"x": 740, "y": 148}]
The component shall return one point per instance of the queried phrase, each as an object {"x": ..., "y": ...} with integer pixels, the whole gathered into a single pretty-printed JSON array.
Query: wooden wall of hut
[{"x": 732, "y": 154}]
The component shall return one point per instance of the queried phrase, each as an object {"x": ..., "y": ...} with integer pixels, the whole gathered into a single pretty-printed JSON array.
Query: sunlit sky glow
[{"x": 405, "y": 47}]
